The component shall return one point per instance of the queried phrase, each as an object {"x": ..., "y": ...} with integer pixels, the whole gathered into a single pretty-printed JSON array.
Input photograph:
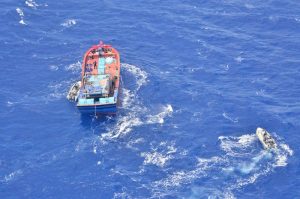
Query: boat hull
[
  {"x": 100, "y": 81},
  {"x": 262, "y": 134},
  {"x": 98, "y": 109}
]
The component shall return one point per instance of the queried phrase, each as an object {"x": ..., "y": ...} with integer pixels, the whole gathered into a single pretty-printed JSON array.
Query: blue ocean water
[{"x": 198, "y": 78}]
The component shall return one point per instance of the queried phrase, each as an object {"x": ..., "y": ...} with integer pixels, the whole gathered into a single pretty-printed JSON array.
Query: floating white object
[
  {"x": 266, "y": 139},
  {"x": 73, "y": 92}
]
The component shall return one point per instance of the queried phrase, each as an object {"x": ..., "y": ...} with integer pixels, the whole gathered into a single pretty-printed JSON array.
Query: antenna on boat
[{"x": 100, "y": 43}]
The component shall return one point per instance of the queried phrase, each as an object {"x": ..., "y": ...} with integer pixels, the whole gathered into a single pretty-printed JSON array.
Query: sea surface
[{"x": 198, "y": 78}]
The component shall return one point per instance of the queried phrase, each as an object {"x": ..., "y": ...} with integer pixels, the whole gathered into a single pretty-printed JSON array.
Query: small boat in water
[
  {"x": 100, "y": 80},
  {"x": 266, "y": 139},
  {"x": 74, "y": 91}
]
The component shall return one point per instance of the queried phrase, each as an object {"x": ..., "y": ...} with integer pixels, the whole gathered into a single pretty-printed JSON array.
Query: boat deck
[{"x": 100, "y": 77}]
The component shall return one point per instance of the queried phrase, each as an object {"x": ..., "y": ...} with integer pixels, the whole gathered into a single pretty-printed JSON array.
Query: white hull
[
  {"x": 73, "y": 92},
  {"x": 266, "y": 139}
]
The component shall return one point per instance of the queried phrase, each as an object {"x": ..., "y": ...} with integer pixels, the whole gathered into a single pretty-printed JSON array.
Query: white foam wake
[
  {"x": 21, "y": 14},
  {"x": 58, "y": 90},
  {"x": 74, "y": 67},
  {"x": 132, "y": 112},
  {"x": 160, "y": 155},
  {"x": 243, "y": 163},
  {"x": 53, "y": 67},
  {"x": 226, "y": 116},
  {"x": 183, "y": 177},
  {"x": 123, "y": 126},
  {"x": 13, "y": 175},
  {"x": 69, "y": 23},
  {"x": 31, "y": 4},
  {"x": 240, "y": 149},
  {"x": 127, "y": 121},
  {"x": 282, "y": 155},
  {"x": 233, "y": 146},
  {"x": 132, "y": 119},
  {"x": 127, "y": 98},
  {"x": 155, "y": 158},
  {"x": 139, "y": 74},
  {"x": 159, "y": 118}
]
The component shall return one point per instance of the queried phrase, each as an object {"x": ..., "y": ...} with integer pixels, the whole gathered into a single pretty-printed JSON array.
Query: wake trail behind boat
[
  {"x": 132, "y": 109},
  {"x": 243, "y": 162}
]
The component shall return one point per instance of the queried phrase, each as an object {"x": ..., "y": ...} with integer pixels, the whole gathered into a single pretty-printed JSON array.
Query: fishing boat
[
  {"x": 265, "y": 138},
  {"x": 100, "y": 81}
]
